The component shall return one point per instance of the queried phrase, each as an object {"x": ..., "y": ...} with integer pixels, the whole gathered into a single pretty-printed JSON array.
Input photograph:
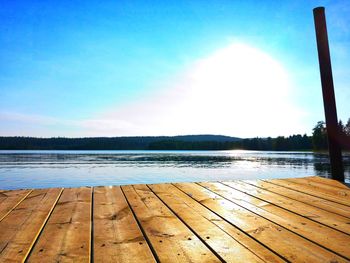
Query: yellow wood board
[
  {"x": 170, "y": 238},
  {"x": 282, "y": 241},
  {"x": 117, "y": 237},
  {"x": 296, "y": 220},
  {"x": 22, "y": 226},
  {"x": 66, "y": 236}
]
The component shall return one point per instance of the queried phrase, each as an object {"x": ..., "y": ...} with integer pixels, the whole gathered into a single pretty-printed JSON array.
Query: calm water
[{"x": 41, "y": 169}]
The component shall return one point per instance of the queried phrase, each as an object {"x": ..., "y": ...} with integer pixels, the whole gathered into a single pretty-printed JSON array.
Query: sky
[{"x": 139, "y": 68}]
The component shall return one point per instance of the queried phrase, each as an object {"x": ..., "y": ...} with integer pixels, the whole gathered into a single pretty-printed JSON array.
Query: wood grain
[
  {"x": 329, "y": 206},
  {"x": 10, "y": 199},
  {"x": 284, "y": 242},
  {"x": 223, "y": 238},
  {"x": 314, "y": 191},
  {"x": 320, "y": 234},
  {"x": 66, "y": 236},
  {"x": 117, "y": 237},
  {"x": 170, "y": 238},
  {"x": 319, "y": 215},
  {"x": 21, "y": 227},
  {"x": 294, "y": 220}
]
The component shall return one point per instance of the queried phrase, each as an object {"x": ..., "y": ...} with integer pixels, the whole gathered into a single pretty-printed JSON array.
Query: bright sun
[{"x": 237, "y": 90}]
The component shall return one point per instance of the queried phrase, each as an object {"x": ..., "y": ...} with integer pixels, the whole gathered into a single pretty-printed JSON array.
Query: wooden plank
[
  {"x": 337, "y": 191},
  {"x": 320, "y": 234},
  {"x": 284, "y": 242},
  {"x": 171, "y": 240},
  {"x": 22, "y": 226},
  {"x": 327, "y": 181},
  {"x": 310, "y": 190},
  {"x": 332, "y": 220},
  {"x": 230, "y": 243},
  {"x": 66, "y": 236},
  {"x": 10, "y": 199},
  {"x": 302, "y": 197},
  {"x": 117, "y": 237}
]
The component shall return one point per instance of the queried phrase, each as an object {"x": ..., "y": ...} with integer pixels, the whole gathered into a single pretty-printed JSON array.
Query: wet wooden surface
[{"x": 279, "y": 220}]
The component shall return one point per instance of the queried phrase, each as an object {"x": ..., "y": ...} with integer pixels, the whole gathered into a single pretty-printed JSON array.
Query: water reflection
[{"x": 38, "y": 169}]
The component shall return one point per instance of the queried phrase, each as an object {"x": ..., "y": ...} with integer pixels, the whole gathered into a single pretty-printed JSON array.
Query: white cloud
[
  {"x": 27, "y": 118},
  {"x": 238, "y": 91}
]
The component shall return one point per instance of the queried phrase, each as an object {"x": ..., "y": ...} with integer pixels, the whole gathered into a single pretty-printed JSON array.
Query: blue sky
[{"x": 116, "y": 68}]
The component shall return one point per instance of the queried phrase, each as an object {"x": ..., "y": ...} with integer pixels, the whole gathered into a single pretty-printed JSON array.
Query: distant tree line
[
  {"x": 295, "y": 142},
  {"x": 317, "y": 142},
  {"x": 291, "y": 143},
  {"x": 100, "y": 143},
  {"x": 31, "y": 143}
]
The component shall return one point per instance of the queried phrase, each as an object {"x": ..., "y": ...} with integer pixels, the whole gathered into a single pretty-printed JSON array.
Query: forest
[{"x": 316, "y": 142}]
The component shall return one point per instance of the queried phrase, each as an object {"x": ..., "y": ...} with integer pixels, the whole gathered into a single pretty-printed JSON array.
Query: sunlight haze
[
  {"x": 120, "y": 68},
  {"x": 236, "y": 89}
]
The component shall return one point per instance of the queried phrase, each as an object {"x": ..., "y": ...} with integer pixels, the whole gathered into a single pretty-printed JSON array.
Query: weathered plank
[
  {"x": 342, "y": 192},
  {"x": 327, "y": 218},
  {"x": 117, "y": 237},
  {"x": 328, "y": 181},
  {"x": 272, "y": 220},
  {"x": 311, "y": 190},
  {"x": 10, "y": 199},
  {"x": 329, "y": 206},
  {"x": 66, "y": 236},
  {"x": 318, "y": 233},
  {"x": 21, "y": 227},
  {"x": 284, "y": 242},
  {"x": 171, "y": 240},
  {"x": 222, "y": 237}
]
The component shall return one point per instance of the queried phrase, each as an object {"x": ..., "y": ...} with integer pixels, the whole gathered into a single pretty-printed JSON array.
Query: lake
[{"x": 42, "y": 169}]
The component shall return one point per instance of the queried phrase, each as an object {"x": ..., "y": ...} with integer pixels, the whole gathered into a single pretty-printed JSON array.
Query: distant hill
[
  {"x": 204, "y": 137},
  {"x": 118, "y": 143}
]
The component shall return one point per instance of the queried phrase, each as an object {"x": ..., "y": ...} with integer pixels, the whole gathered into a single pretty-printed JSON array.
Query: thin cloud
[
  {"x": 238, "y": 90},
  {"x": 29, "y": 118}
]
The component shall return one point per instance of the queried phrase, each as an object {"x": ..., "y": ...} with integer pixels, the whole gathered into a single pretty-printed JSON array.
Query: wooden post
[{"x": 330, "y": 109}]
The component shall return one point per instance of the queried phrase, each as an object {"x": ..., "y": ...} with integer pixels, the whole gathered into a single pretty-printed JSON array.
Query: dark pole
[{"x": 330, "y": 109}]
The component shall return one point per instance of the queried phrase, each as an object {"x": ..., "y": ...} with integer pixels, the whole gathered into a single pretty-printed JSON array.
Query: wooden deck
[{"x": 298, "y": 220}]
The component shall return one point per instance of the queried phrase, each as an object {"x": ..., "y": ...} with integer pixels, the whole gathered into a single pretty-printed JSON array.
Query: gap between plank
[
  {"x": 140, "y": 226},
  {"x": 295, "y": 199},
  {"x": 42, "y": 227},
  {"x": 289, "y": 211},
  {"x": 274, "y": 252},
  {"x": 279, "y": 224},
  {"x": 190, "y": 228},
  {"x": 307, "y": 193},
  {"x": 91, "y": 244},
  {"x": 20, "y": 201}
]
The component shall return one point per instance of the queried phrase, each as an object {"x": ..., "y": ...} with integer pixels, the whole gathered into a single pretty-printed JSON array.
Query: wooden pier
[{"x": 285, "y": 220}]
